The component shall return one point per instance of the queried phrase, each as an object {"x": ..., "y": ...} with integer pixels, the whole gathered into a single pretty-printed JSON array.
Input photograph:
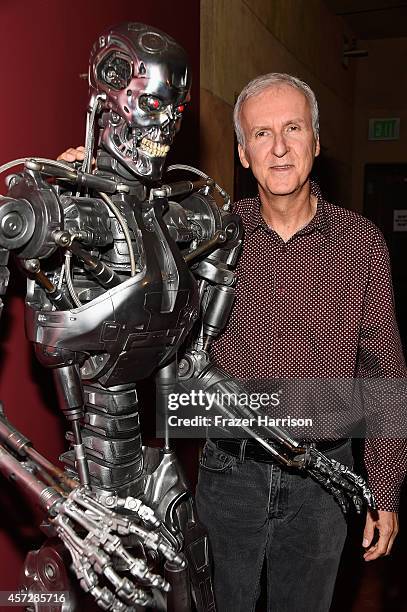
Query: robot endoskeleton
[{"x": 118, "y": 274}]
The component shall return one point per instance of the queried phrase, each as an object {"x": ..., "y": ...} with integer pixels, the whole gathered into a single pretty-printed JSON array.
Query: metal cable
[
  {"x": 124, "y": 227},
  {"x": 188, "y": 168},
  {"x": 61, "y": 277},
  {"x": 90, "y": 137},
  {"x": 41, "y": 160},
  {"x": 68, "y": 279},
  {"x": 222, "y": 192}
]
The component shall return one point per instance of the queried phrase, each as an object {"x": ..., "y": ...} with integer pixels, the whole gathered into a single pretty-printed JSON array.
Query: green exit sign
[{"x": 384, "y": 129}]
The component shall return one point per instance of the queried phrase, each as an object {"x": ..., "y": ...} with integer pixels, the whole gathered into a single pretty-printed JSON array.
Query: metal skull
[{"x": 144, "y": 76}]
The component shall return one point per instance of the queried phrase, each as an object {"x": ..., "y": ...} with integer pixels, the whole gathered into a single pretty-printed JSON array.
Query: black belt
[{"x": 253, "y": 450}]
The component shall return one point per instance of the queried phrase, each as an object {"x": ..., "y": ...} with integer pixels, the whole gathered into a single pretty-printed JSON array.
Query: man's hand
[
  {"x": 386, "y": 524},
  {"x": 72, "y": 155}
]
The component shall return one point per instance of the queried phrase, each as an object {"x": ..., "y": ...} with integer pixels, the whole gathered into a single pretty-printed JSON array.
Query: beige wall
[
  {"x": 381, "y": 91},
  {"x": 241, "y": 39}
]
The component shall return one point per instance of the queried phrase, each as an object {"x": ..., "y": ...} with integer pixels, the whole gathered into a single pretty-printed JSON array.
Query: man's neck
[{"x": 287, "y": 214}]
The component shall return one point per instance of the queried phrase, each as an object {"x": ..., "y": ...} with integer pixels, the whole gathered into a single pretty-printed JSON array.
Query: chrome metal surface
[{"x": 113, "y": 304}]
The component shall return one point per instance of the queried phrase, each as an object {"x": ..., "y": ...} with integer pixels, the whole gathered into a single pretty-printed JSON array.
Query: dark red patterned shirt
[{"x": 318, "y": 306}]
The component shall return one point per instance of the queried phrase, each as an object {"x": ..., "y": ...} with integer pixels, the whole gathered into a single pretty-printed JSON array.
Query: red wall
[{"x": 44, "y": 46}]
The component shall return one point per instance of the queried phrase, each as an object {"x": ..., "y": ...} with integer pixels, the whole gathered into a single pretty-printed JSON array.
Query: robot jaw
[{"x": 141, "y": 150}]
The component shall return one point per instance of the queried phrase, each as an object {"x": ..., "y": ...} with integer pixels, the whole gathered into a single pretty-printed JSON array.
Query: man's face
[{"x": 280, "y": 145}]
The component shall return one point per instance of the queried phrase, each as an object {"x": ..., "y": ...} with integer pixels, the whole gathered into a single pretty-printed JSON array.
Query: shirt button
[
  {"x": 284, "y": 248},
  {"x": 279, "y": 334},
  {"x": 281, "y": 290}
]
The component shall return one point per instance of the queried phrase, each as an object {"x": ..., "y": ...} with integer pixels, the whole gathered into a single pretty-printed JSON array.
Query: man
[{"x": 313, "y": 299}]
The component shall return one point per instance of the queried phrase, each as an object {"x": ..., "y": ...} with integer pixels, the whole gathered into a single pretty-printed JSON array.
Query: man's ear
[
  {"x": 317, "y": 147},
  {"x": 242, "y": 156}
]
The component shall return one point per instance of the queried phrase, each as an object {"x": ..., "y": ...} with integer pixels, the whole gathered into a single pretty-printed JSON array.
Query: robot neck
[{"x": 106, "y": 164}]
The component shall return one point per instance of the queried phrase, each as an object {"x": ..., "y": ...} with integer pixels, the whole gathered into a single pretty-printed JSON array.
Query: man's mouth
[
  {"x": 284, "y": 167},
  {"x": 154, "y": 149}
]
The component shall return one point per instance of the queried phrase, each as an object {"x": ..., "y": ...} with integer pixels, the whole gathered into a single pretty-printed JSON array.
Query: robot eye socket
[
  {"x": 115, "y": 70},
  {"x": 179, "y": 109},
  {"x": 151, "y": 104}
]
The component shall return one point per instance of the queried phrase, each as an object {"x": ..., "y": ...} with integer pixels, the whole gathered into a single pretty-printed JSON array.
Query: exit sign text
[{"x": 384, "y": 129}]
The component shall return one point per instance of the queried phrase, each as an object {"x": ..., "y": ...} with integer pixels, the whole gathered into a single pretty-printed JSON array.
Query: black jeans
[{"x": 256, "y": 511}]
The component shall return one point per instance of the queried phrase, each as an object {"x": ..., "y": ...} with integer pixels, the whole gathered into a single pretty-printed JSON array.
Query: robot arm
[
  {"x": 91, "y": 532},
  {"x": 198, "y": 373},
  {"x": 213, "y": 237}
]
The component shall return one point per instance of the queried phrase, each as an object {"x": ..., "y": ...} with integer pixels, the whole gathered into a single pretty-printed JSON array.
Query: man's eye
[
  {"x": 261, "y": 133},
  {"x": 292, "y": 128}
]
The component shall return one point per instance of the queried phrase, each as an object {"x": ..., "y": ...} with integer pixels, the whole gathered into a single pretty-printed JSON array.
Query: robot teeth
[{"x": 154, "y": 149}]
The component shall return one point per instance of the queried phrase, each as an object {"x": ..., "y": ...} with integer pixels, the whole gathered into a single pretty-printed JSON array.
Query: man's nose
[{"x": 280, "y": 145}]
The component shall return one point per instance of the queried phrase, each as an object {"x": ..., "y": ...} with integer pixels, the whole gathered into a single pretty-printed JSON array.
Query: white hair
[{"x": 274, "y": 79}]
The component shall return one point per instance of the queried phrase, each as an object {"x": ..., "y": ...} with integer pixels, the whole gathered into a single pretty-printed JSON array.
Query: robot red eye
[
  {"x": 181, "y": 108},
  {"x": 150, "y": 103}
]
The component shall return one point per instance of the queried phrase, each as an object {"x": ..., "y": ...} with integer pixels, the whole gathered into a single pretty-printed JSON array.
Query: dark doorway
[{"x": 385, "y": 203}]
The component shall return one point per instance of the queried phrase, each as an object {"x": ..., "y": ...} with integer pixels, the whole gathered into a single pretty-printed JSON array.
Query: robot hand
[
  {"x": 95, "y": 534},
  {"x": 92, "y": 534},
  {"x": 337, "y": 478}
]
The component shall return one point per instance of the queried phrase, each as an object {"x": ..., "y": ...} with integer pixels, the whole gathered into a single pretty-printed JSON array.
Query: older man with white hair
[{"x": 313, "y": 300}]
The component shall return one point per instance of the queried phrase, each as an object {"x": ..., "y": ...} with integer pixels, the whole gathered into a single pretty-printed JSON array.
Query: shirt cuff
[{"x": 386, "y": 495}]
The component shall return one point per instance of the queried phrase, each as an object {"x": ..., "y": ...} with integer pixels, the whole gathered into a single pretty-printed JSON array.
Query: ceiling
[{"x": 372, "y": 18}]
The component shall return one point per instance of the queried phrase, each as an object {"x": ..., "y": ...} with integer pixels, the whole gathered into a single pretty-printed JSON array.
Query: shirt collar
[
  {"x": 254, "y": 218},
  {"x": 319, "y": 221}
]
